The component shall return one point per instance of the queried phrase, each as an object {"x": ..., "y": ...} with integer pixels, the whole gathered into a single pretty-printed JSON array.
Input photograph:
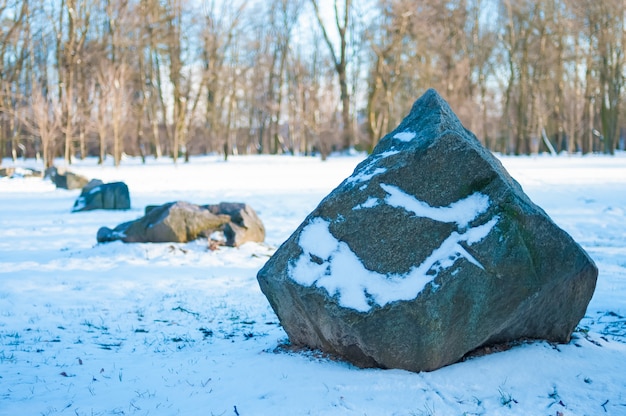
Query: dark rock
[
  {"x": 65, "y": 179},
  {"x": 244, "y": 225},
  {"x": 94, "y": 183},
  {"x": 50, "y": 172},
  {"x": 107, "y": 235},
  {"x": 98, "y": 195},
  {"x": 19, "y": 172},
  {"x": 182, "y": 222},
  {"x": 172, "y": 222},
  {"x": 6, "y": 172},
  {"x": 426, "y": 252}
]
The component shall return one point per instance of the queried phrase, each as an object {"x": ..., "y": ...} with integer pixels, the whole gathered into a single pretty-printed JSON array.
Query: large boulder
[
  {"x": 182, "y": 222},
  {"x": 426, "y": 252},
  {"x": 99, "y": 195}
]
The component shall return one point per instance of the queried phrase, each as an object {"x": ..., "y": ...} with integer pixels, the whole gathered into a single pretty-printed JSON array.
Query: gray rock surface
[
  {"x": 182, "y": 222},
  {"x": 6, "y": 172},
  {"x": 244, "y": 225},
  {"x": 19, "y": 172},
  {"x": 426, "y": 252},
  {"x": 65, "y": 179},
  {"x": 99, "y": 195}
]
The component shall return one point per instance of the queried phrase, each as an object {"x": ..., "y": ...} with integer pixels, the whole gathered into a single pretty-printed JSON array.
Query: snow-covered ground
[{"x": 177, "y": 329}]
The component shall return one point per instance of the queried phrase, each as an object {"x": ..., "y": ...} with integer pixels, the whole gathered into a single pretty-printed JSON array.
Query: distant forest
[{"x": 174, "y": 78}]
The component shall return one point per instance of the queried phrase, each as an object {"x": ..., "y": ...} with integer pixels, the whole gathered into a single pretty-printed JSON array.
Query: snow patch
[
  {"x": 330, "y": 263},
  {"x": 371, "y": 202},
  {"x": 460, "y": 212},
  {"x": 370, "y": 170},
  {"x": 366, "y": 176},
  {"x": 405, "y": 136},
  {"x": 387, "y": 154},
  {"x": 64, "y": 297},
  {"x": 317, "y": 236},
  {"x": 80, "y": 203}
]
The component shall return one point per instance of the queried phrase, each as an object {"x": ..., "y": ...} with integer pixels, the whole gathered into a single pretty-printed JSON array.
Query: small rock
[
  {"x": 65, "y": 179},
  {"x": 98, "y": 195},
  {"x": 182, "y": 222}
]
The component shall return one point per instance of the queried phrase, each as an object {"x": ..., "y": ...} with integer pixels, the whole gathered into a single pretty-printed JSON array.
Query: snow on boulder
[
  {"x": 182, "y": 221},
  {"x": 426, "y": 252},
  {"x": 99, "y": 195}
]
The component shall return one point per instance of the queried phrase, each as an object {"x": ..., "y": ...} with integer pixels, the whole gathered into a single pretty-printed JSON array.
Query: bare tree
[
  {"x": 114, "y": 105},
  {"x": 71, "y": 38},
  {"x": 482, "y": 41},
  {"x": 13, "y": 57},
  {"x": 386, "y": 42},
  {"x": 275, "y": 43},
  {"x": 526, "y": 76},
  {"x": 100, "y": 117},
  {"x": 44, "y": 120},
  {"x": 521, "y": 41},
  {"x": 608, "y": 19},
  {"x": 340, "y": 59}
]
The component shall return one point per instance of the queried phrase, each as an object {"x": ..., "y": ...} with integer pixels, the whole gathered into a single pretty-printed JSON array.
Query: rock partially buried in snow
[
  {"x": 426, "y": 252},
  {"x": 243, "y": 226},
  {"x": 181, "y": 222},
  {"x": 64, "y": 179},
  {"x": 99, "y": 195}
]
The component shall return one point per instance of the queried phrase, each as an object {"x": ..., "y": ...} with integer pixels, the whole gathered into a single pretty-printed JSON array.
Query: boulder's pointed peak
[
  {"x": 432, "y": 101},
  {"x": 430, "y": 116},
  {"x": 434, "y": 110},
  {"x": 431, "y": 96}
]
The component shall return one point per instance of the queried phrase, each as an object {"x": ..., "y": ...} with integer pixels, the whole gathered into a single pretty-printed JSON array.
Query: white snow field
[{"x": 177, "y": 329}]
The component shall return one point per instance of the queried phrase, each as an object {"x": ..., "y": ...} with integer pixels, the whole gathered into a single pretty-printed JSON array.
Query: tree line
[{"x": 157, "y": 78}]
